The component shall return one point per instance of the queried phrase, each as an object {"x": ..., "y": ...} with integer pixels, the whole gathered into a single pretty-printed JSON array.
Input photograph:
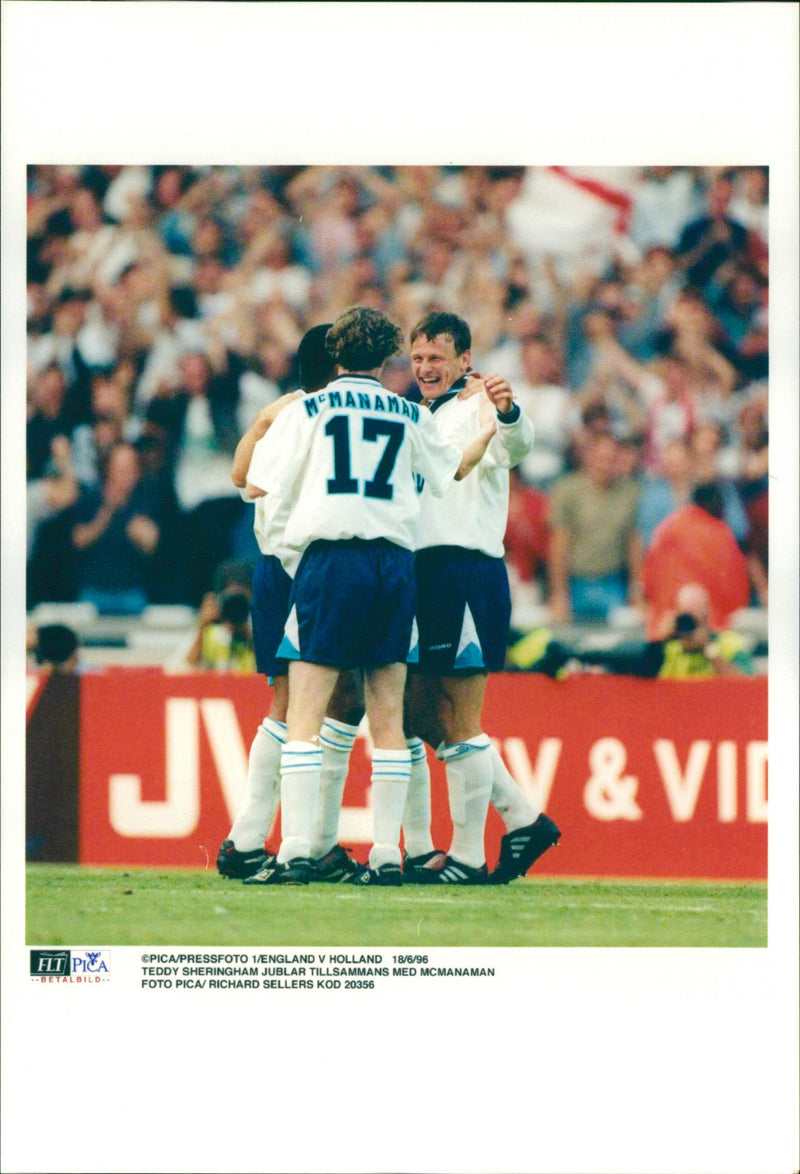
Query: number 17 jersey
[{"x": 351, "y": 459}]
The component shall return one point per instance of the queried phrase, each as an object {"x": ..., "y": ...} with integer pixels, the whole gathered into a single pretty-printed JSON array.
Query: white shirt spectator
[
  {"x": 255, "y": 392},
  {"x": 293, "y": 284},
  {"x": 203, "y": 472},
  {"x": 130, "y": 183},
  {"x": 97, "y": 340},
  {"x": 185, "y": 336},
  {"x": 662, "y": 207},
  {"x": 556, "y": 418}
]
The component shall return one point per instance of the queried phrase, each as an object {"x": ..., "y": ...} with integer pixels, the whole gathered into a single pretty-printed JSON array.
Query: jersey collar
[
  {"x": 454, "y": 390},
  {"x": 357, "y": 379}
]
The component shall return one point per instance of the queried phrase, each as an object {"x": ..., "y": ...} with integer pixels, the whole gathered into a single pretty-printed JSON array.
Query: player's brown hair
[
  {"x": 437, "y": 322},
  {"x": 362, "y": 339}
]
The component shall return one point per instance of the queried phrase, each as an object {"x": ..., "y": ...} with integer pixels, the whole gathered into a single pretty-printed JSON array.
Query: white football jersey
[
  {"x": 269, "y": 527},
  {"x": 473, "y": 513},
  {"x": 347, "y": 460}
]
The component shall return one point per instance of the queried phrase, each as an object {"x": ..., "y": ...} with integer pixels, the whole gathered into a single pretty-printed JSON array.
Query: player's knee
[
  {"x": 347, "y": 702},
  {"x": 349, "y": 711},
  {"x": 429, "y": 731},
  {"x": 420, "y": 711}
]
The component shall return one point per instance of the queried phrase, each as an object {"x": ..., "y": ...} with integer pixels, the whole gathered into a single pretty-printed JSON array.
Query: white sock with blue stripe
[
  {"x": 507, "y": 797},
  {"x": 337, "y": 740},
  {"x": 301, "y": 769},
  {"x": 417, "y": 813},
  {"x": 390, "y": 774},
  {"x": 469, "y": 772},
  {"x": 263, "y": 788}
]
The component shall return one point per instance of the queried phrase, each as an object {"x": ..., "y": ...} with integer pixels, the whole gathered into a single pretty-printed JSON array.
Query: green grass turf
[{"x": 82, "y": 906}]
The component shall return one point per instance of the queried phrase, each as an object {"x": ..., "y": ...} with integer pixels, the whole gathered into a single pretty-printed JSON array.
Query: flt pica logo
[{"x": 69, "y": 965}]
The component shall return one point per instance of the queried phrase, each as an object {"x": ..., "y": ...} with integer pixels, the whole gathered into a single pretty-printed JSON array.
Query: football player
[
  {"x": 242, "y": 854},
  {"x": 463, "y": 616}
]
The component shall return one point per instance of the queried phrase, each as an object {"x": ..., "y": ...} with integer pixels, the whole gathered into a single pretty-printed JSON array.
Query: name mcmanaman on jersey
[{"x": 347, "y": 458}]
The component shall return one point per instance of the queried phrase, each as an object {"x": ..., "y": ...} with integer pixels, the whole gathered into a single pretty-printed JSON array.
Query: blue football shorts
[
  {"x": 463, "y": 611},
  {"x": 352, "y": 604},
  {"x": 269, "y": 611}
]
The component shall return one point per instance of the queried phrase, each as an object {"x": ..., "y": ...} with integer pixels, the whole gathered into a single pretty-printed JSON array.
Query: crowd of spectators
[{"x": 626, "y": 306}]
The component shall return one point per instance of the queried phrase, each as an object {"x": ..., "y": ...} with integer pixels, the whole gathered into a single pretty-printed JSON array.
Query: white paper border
[{"x": 585, "y": 1060}]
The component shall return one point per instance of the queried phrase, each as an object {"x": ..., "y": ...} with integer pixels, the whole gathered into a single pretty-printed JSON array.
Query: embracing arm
[
  {"x": 475, "y": 450},
  {"x": 259, "y": 428}
]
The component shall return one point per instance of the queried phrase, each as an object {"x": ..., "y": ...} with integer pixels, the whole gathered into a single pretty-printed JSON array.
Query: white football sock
[
  {"x": 301, "y": 768},
  {"x": 508, "y": 798},
  {"x": 390, "y": 773},
  {"x": 417, "y": 814},
  {"x": 337, "y": 740},
  {"x": 263, "y": 788},
  {"x": 469, "y": 772}
]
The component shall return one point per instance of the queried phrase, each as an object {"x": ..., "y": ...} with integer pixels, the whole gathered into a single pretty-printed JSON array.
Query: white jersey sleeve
[
  {"x": 473, "y": 513},
  {"x": 511, "y": 443},
  {"x": 278, "y": 457},
  {"x": 270, "y": 515},
  {"x": 435, "y": 459}
]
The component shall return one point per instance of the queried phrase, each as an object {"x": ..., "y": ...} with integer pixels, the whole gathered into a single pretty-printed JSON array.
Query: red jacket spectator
[
  {"x": 694, "y": 545},
  {"x": 527, "y": 536}
]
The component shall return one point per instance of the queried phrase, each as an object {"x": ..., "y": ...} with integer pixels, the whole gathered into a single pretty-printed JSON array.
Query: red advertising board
[{"x": 645, "y": 778}]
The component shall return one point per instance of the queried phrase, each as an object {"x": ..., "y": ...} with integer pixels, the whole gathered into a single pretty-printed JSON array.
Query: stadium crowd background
[{"x": 628, "y": 307}]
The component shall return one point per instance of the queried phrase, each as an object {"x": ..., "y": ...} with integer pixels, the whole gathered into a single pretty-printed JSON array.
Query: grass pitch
[{"x": 71, "y": 905}]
